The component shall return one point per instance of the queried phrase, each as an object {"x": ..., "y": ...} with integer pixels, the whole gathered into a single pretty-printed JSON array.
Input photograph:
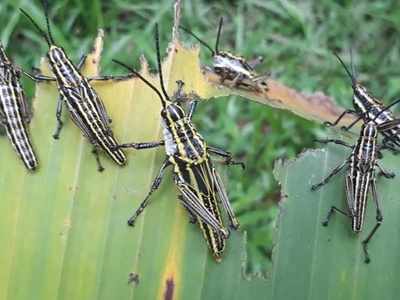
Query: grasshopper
[
  {"x": 231, "y": 67},
  {"x": 361, "y": 175},
  {"x": 200, "y": 186},
  {"x": 14, "y": 113},
  {"x": 86, "y": 108}
]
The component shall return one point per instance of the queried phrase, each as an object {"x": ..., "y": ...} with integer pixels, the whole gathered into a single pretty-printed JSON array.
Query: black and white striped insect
[
  {"x": 201, "y": 188},
  {"x": 361, "y": 176},
  {"x": 366, "y": 105},
  {"x": 86, "y": 109},
  {"x": 14, "y": 113},
  {"x": 231, "y": 67}
]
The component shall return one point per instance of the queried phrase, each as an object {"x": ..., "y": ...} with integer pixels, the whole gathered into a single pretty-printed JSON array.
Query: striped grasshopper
[
  {"x": 231, "y": 67},
  {"x": 361, "y": 175},
  {"x": 367, "y": 106},
  {"x": 86, "y": 108},
  {"x": 200, "y": 186},
  {"x": 14, "y": 113}
]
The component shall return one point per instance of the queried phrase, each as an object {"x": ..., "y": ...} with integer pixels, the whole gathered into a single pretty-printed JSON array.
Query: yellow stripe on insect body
[{"x": 201, "y": 179}]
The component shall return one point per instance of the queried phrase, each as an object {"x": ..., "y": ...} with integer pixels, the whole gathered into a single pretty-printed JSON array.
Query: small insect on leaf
[{"x": 236, "y": 69}]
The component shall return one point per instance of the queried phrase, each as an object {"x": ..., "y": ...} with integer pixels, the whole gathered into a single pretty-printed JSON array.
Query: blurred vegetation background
[{"x": 296, "y": 39}]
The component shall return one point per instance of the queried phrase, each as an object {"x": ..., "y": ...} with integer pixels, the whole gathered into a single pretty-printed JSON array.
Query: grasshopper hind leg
[
  {"x": 365, "y": 242},
  {"x": 227, "y": 156},
  {"x": 379, "y": 220},
  {"x": 192, "y": 217},
  {"x": 327, "y": 178}
]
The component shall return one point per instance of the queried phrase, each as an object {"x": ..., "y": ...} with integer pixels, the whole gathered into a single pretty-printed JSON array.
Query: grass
[{"x": 296, "y": 40}]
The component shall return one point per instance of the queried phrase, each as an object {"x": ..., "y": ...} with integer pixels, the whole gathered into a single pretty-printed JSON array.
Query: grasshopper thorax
[
  {"x": 62, "y": 67},
  {"x": 362, "y": 100},
  {"x": 230, "y": 62},
  {"x": 173, "y": 120},
  {"x": 56, "y": 57},
  {"x": 56, "y": 54}
]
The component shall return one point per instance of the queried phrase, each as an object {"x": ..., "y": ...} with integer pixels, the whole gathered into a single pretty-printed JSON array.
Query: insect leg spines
[
  {"x": 385, "y": 173},
  {"x": 228, "y": 157},
  {"x": 154, "y": 186},
  {"x": 327, "y": 178},
  {"x": 379, "y": 220},
  {"x": 332, "y": 210},
  {"x": 346, "y": 112},
  {"x": 140, "y": 146},
  {"x": 334, "y": 141}
]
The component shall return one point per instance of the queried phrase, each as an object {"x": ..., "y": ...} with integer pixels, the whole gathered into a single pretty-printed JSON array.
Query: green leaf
[{"x": 316, "y": 262}]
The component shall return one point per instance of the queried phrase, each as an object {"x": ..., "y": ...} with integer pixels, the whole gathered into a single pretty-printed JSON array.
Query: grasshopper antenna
[
  {"x": 386, "y": 108},
  {"x": 221, "y": 21},
  {"x": 198, "y": 39},
  {"x": 141, "y": 77},
  {"x": 40, "y": 30},
  {"x": 157, "y": 38},
  {"x": 353, "y": 68},
  {"x": 45, "y": 5},
  {"x": 351, "y": 74}
]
